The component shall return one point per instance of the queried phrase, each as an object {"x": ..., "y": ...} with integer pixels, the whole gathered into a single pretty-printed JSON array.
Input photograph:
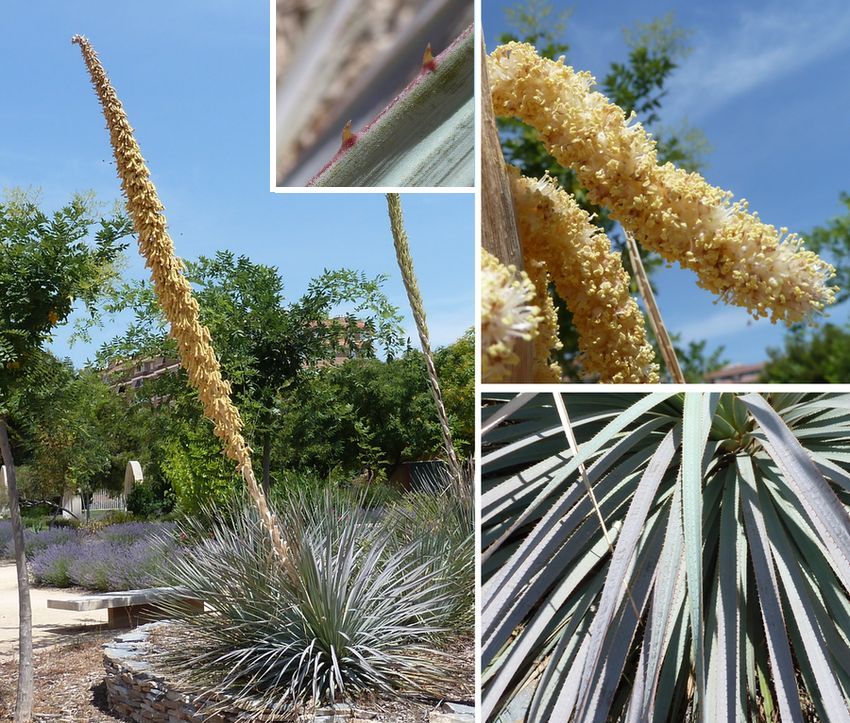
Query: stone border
[{"x": 140, "y": 693}]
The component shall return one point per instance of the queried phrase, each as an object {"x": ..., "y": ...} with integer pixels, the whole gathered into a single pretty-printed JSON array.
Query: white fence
[{"x": 102, "y": 501}]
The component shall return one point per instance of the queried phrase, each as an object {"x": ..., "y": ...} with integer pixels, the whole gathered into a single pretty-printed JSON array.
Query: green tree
[
  {"x": 47, "y": 263},
  {"x": 813, "y": 356},
  {"x": 833, "y": 240},
  {"x": 368, "y": 415},
  {"x": 636, "y": 85},
  {"x": 267, "y": 346}
]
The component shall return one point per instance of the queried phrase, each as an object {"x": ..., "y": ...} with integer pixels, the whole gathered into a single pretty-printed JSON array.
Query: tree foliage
[
  {"x": 368, "y": 415},
  {"x": 267, "y": 346},
  {"x": 48, "y": 264},
  {"x": 833, "y": 239},
  {"x": 816, "y": 356}
]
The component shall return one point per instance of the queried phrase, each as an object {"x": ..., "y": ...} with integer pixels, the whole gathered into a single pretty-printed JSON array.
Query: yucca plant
[
  {"x": 438, "y": 524},
  {"x": 424, "y": 137},
  {"x": 666, "y": 557},
  {"x": 353, "y": 620}
]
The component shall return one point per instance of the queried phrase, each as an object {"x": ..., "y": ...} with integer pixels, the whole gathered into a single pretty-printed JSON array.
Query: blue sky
[
  {"x": 765, "y": 82},
  {"x": 194, "y": 79}
]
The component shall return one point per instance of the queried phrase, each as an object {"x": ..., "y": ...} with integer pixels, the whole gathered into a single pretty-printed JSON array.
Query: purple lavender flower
[
  {"x": 35, "y": 542},
  {"x": 51, "y": 565},
  {"x": 5, "y": 536}
]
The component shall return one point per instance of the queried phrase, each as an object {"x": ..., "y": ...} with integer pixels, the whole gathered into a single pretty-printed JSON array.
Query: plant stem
[
  {"x": 655, "y": 320},
  {"x": 498, "y": 224},
  {"x": 174, "y": 293},
  {"x": 571, "y": 440}
]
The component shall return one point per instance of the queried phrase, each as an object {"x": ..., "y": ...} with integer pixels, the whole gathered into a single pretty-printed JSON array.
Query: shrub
[
  {"x": 197, "y": 471},
  {"x": 52, "y": 565},
  {"x": 345, "y": 614},
  {"x": 143, "y": 502},
  {"x": 140, "y": 563},
  {"x": 717, "y": 587},
  {"x": 93, "y": 564},
  {"x": 35, "y": 542},
  {"x": 67, "y": 522},
  {"x": 438, "y": 524},
  {"x": 6, "y": 544},
  {"x": 115, "y": 557}
]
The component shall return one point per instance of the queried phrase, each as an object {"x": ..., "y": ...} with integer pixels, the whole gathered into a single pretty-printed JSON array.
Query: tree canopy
[{"x": 49, "y": 263}]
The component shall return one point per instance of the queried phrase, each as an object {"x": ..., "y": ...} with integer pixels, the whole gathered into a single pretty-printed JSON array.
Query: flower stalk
[
  {"x": 174, "y": 292},
  {"x": 589, "y": 276},
  {"x": 678, "y": 214},
  {"x": 405, "y": 264}
]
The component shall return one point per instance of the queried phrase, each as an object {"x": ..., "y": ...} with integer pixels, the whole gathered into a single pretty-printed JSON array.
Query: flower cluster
[
  {"x": 173, "y": 289},
  {"x": 678, "y": 214},
  {"x": 507, "y": 316},
  {"x": 589, "y": 276}
]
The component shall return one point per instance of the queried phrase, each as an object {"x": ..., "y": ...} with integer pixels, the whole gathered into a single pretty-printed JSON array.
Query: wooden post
[{"x": 498, "y": 226}]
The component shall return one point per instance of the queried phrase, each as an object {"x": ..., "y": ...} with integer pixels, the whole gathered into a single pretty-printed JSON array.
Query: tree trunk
[
  {"x": 267, "y": 463},
  {"x": 23, "y": 706}
]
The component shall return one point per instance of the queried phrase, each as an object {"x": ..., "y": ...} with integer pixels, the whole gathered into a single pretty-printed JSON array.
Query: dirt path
[{"x": 49, "y": 626}]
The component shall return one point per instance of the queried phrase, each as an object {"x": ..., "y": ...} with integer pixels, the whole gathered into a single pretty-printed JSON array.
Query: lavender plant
[{"x": 117, "y": 557}]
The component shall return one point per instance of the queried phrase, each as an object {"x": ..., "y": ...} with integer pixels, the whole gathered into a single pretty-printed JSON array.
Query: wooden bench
[{"x": 129, "y": 608}]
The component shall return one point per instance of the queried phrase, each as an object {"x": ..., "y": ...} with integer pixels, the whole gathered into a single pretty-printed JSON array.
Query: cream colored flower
[
  {"x": 507, "y": 316},
  {"x": 676, "y": 213},
  {"x": 589, "y": 277},
  {"x": 173, "y": 289}
]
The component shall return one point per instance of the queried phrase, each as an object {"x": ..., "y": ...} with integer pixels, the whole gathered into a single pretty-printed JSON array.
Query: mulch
[{"x": 69, "y": 685}]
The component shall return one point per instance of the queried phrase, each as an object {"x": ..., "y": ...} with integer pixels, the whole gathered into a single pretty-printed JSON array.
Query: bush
[
  {"x": 112, "y": 517},
  {"x": 35, "y": 542},
  {"x": 347, "y": 613},
  {"x": 200, "y": 475},
  {"x": 438, "y": 524},
  {"x": 115, "y": 557},
  {"x": 67, "y": 522},
  {"x": 143, "y": 502},
  {"x": 310, "y": 484},
  {"x": 52, "y": 565},
  {"x": 6, "y": 544}
]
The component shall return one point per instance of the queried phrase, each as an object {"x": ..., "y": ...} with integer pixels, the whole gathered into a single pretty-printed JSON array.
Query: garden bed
[{"x": 140, "y": 690}]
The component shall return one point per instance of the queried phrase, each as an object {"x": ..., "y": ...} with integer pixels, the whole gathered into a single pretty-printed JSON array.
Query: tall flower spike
[
  {"x": 174, "y": 292},
  {"x": 676, "y": 213},
  {"x": 507, "y": 316},
  {"x": 408, "y": 275},
  {"x": 589, "y": 277}
]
